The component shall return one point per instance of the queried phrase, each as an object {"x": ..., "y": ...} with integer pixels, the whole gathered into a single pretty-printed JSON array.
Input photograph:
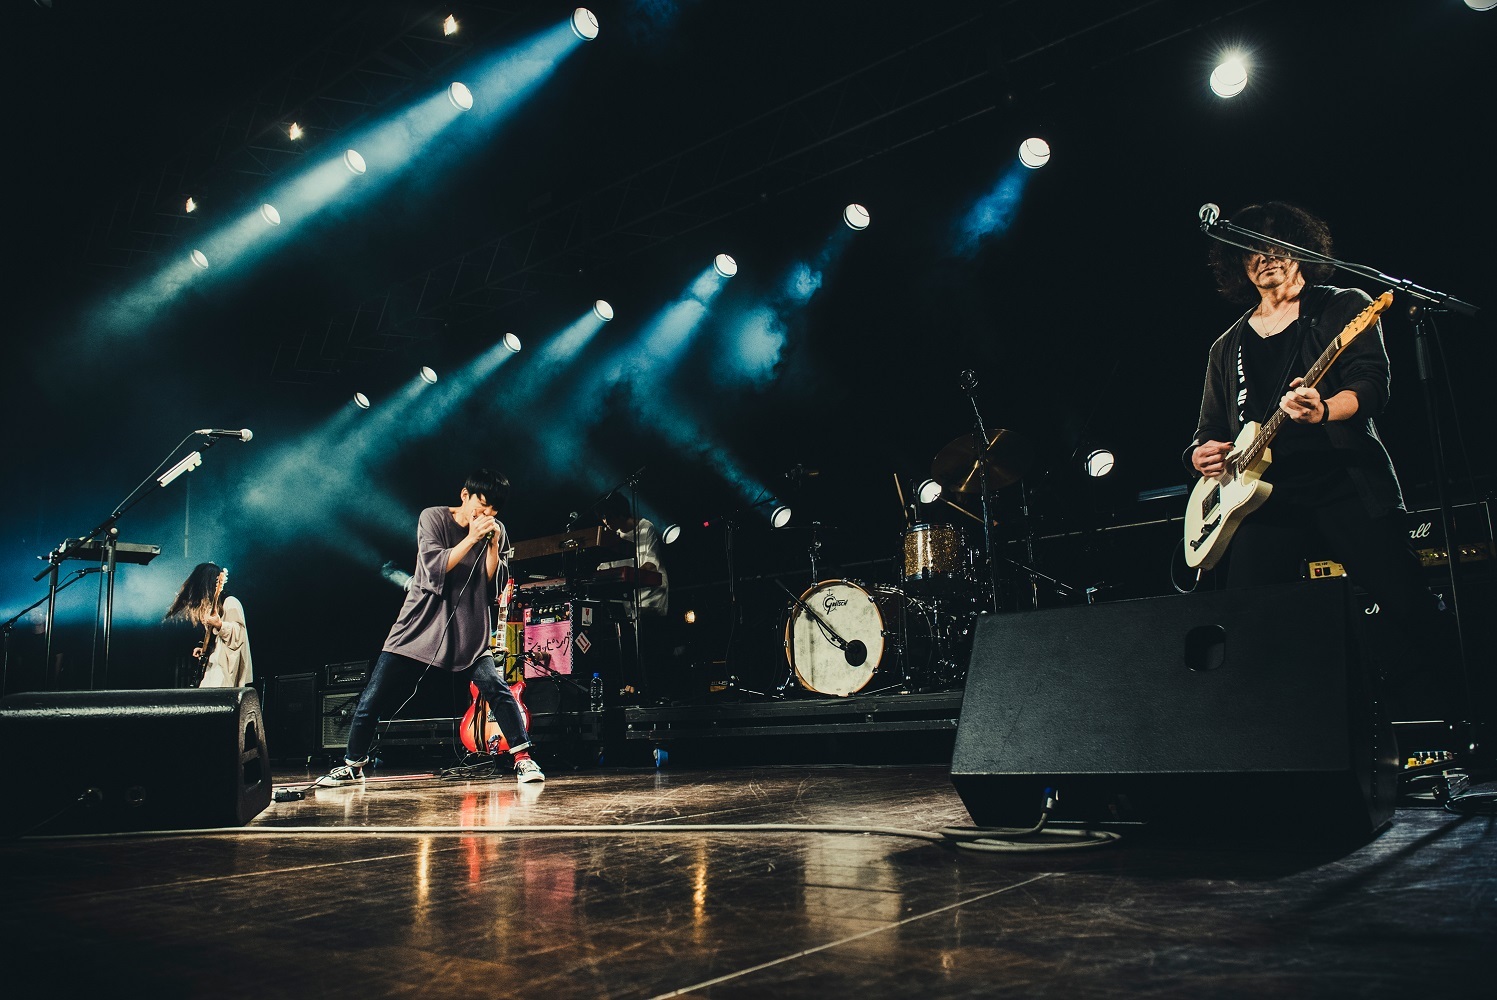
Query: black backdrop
[{"x": 1089, "y": 319}]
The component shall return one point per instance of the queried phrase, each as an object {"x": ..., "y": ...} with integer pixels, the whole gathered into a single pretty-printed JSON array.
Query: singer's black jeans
[{"x": 395, "y": 676}]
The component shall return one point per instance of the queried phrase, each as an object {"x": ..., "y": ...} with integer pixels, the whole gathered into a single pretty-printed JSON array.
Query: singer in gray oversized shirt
[{"x": 422, "y": 630}]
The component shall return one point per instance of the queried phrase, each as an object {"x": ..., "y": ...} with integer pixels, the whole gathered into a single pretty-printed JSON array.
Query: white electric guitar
[{"x": 1218, "y": 504}]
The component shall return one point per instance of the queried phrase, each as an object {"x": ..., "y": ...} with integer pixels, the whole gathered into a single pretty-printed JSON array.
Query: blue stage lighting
[
  {"x": 512, "y": 342},
  {"x": 1230, "y": 77},
  {"x": 1034, "y": 152},
  {"x": 725, "y": 265},
  {"x": 269, "y": 214},
  {"x": 584, "y": 24},
  {"x": 993, "y": 213},
  {"x": 780, "y": 516},
  {"x": 354, "y": 161},
  {"x": 856, "y": 216},
  {"x": 361, "y": 401},
  {"x": 428, "y": 375},
  {"x": 460, "y": 96},
  {"x": 603, "y": 310},
  {"x": 200, "y": 259}
]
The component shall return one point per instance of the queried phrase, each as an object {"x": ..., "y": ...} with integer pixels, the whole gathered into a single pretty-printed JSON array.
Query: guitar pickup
[{"x": 1211, "y": 501}]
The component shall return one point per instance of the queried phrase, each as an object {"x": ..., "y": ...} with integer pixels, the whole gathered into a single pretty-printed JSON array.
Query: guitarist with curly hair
[{"x": 1333, "y": 491}]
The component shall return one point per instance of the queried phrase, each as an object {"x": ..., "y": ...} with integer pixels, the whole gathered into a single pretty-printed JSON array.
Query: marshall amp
[{"x": 1473, "y": 534}]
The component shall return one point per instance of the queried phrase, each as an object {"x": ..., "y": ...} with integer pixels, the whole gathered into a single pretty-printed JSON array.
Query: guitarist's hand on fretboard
[
  {"x": 1210, "y": 459},
  {"x": 1303, "y": 405}
]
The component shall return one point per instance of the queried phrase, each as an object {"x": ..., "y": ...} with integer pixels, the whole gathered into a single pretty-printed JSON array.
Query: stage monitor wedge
[
  {"x": 1209, "y": 713},
  {"x": 113, "y": 761}
]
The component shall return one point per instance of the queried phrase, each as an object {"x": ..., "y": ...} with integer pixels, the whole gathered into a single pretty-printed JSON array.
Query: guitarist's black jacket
[{"x": 1350, "y": 448}]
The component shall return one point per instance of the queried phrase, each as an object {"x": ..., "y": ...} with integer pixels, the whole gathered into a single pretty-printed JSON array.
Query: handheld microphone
[
  {"x": 243, "y": 434},
  {"x": 1208, "y": 214}
]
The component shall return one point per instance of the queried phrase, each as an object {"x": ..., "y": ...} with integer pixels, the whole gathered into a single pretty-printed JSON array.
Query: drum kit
[{"x": 915, "y": 635}]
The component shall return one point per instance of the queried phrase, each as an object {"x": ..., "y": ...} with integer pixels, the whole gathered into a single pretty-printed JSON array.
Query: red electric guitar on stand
[{"x": 480, "y": 730}]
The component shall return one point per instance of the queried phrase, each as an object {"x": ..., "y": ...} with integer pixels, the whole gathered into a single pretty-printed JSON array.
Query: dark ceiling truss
[
  {"x": 378, "y": 55},
  {"x": 970, "y": 69}
]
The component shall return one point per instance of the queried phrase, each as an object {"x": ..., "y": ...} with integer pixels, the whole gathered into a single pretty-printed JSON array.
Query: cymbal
[{"x": 957, "y": 466}]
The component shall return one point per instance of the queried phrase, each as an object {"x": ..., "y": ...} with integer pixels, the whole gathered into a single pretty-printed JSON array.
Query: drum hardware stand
[
  {"x": 812, "y": 550},
  {"x": 968, "y": 382}
]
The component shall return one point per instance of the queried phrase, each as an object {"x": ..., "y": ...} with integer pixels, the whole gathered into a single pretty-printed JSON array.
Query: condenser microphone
[
  {"x": 1208, "y": 214},
  {"x": 244, "y": 434}
]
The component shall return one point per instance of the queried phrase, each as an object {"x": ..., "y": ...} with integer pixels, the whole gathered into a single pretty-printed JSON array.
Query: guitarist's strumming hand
[
  {"x": 1303, "y": 405},
  {"x": 1210, "y": 459}
]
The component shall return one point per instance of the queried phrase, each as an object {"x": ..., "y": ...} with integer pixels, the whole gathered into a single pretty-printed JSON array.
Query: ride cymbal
[{"x": 957, "y": 466}]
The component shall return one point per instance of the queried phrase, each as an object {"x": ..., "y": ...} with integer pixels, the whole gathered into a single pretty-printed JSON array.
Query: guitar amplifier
[
  {"x": 337, "y": 716},
  {"x": 354, "y": 672},
  {"x": 1473, "y": 534},
  {"x": 573, "y": 637}
]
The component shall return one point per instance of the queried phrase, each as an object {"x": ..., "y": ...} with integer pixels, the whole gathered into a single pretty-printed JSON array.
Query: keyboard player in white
[{"x": 614, "y": 510}]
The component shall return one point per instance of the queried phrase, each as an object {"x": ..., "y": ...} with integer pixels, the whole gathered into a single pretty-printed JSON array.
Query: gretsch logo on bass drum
[{"x": 832, "y": 601}]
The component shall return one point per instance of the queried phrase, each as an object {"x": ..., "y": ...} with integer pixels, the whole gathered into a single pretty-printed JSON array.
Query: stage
[{"x": 323, "y": 897}]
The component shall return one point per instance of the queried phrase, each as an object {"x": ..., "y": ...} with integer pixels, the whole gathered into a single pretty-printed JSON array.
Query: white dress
[{"x": 229, "y": 665}]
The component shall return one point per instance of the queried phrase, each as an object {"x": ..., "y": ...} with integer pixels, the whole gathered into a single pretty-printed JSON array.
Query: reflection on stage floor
[{"x": 322, "y": 898}]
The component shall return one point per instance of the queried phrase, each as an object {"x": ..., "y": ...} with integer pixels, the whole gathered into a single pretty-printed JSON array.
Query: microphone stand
[
  {"x": 108, "y": 529},
  {"x": 1429, "y": 301},
  {"x": 968, "y": 383}
]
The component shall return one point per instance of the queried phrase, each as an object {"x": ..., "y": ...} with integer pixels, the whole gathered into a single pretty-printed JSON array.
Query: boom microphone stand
[{"x": 1427, "y": 303}]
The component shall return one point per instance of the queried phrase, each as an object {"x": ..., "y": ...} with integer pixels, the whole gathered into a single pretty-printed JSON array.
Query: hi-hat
[{"x": 957, "y": 467}]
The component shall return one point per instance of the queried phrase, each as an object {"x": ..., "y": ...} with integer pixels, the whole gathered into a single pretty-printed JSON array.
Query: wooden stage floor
[{"x": 348, "y": 909}]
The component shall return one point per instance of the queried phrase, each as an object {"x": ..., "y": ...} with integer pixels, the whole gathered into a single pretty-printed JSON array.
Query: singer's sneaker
[
  {"x": 528, "y": 770},
  {"x": 350, "y": 772}
]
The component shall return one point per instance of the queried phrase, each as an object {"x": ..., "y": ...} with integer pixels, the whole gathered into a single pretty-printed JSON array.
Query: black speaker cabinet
[
  {"x": 1214, "y": 711},
  {"x": 94, "y": 761},
  {"x": 337, "y": 705},
  {"x": 292, "y": 711}
]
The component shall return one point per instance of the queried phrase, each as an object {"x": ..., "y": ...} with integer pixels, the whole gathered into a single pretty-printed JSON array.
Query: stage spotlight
[
  {"x": 200, "y": 259},
  {"x": 1034, "y": 152},
  {"x": 449, "y": 26},
  {"x": 354, "y": 162},
  {"x": 428, "y": 375},
  {"x": 603, "y": 310},
  {"x": 780, "y": 516},
  {"x": 725, "y": 265},
  {"x": 269, "y": 214},
  {"x": 928, "y": 491},
  {"x": 1098, "y": 463},
  {"x": 361, "y": 401},
  {"x": 1230, "y": 78},
  {"x": 671, "y": 533},
  {"x": 856, "y": 216},
  {"x": 295, "y": 132},
  {"x": 690, "y": 617},
  {"x": 192, "y": 206},
  {"x": 460, "y": 96},
  {"x": 1481, "y": 4},
  {"x": 512, "y": 342},
  {"x": 584, "y": 24}
]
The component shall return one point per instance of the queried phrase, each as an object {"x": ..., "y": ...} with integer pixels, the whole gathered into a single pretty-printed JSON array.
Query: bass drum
[{"x": 863, "y": 629}]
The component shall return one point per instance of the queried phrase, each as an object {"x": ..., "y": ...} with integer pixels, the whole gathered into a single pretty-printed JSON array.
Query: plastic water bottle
[{"x": 595, "y": 694}]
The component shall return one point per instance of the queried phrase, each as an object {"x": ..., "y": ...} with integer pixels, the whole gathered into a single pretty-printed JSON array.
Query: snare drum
[
  {"x": 934, "y": 554},
  {"x": 870, "y": 624}
]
